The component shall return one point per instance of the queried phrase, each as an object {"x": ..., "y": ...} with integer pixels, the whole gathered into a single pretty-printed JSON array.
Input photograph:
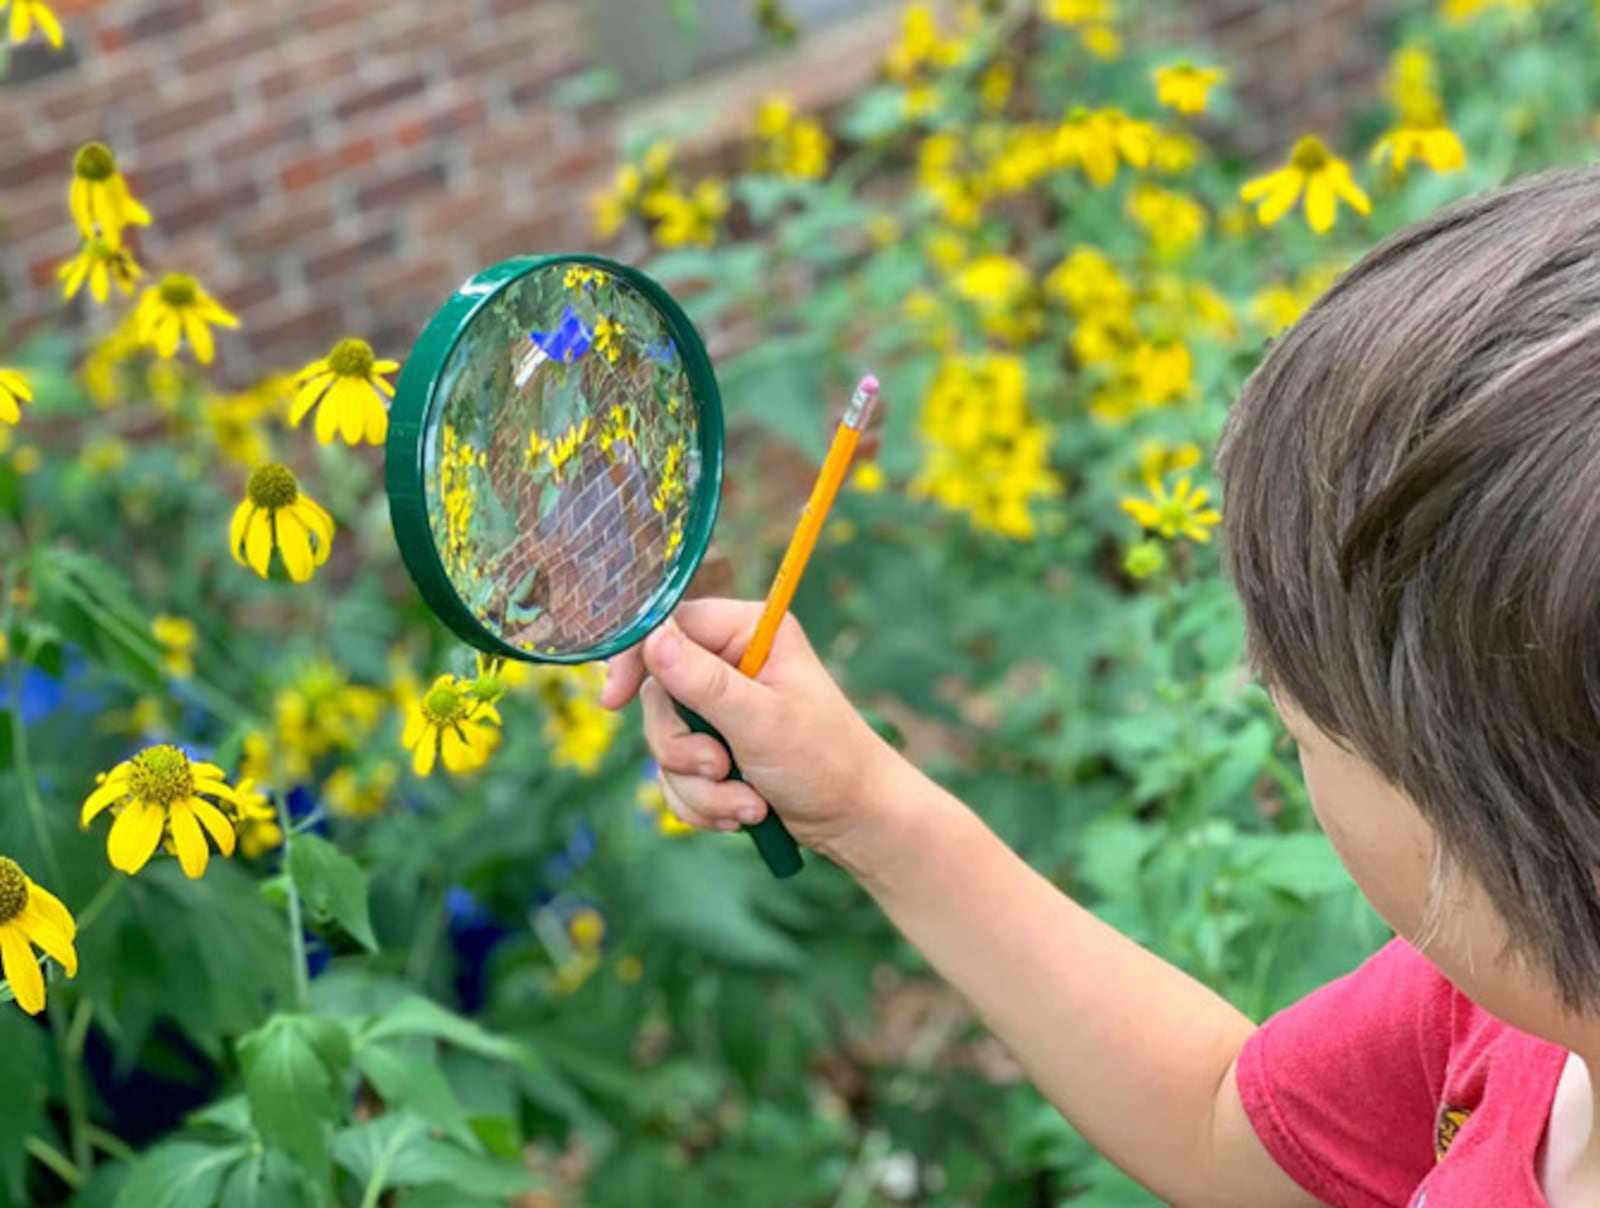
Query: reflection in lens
[{"x": 561, "y": 459}]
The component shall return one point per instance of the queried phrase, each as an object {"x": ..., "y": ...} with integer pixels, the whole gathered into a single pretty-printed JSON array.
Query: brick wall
[{"x": 332, "y": 167}]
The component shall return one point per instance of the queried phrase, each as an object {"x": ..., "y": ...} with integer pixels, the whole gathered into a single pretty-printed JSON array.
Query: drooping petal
[
  {"x": 193, "y": 854},
  {"x": 48, "y": 23},
  {"x": 42, "y": 922},
  {"x": 236, "y": 529},
  {"x": 21, "y": 968},
  {"x": 217, "y": 826},
  {"x": 78, "y": 201},
  {"x": 258, "y": 541},
  {"x": 165, "y": 332},
  {"x": 385, "y": 366},
  {"x": 377, "y": 420},
  {"x": 315, "y": 369},
  {"x": 413, "y": 731},
  {"x": 427, "y": 750},
  {"x": 1281, "y": 200},
  {"x": 1350, "y": 191},
  {"x": 315, "y": 517},
  {"x": 199, "y": 337},
  {"x": 350, "y": 395},
  {"x": 459, "y": 755},
  {"x": 306, "y": 397},
  {"x": 1321, "y": 206},
  {"x": 294, "y": 543},
  {"x": 134, "y": 836},
  {"x": 327, "y": 417}
]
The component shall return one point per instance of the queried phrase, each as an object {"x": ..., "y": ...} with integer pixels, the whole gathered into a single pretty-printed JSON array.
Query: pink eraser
[{"x": 869, "y": 384}]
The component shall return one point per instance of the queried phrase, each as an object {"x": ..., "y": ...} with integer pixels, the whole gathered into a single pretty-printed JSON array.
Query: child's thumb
[{"x": 705, "y": 682}]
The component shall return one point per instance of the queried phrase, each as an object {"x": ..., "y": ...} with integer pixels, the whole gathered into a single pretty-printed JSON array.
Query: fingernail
[
  {"x": 707, "y": 768},
  {"x": 750, "y": 815},
  {"x": 727, "y": 824}
]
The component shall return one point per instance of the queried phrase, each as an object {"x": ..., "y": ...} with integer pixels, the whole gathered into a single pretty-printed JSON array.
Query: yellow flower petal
[
  {"x": 236, "y": 530},
  {"x": 427, "y": 750},
  {"x": 217, "y": 826},
  {"x": 21, "y": 968},
  {"x": 258, "y": 541},
  {"x": 115, "y": 786},
  {"x": 308, "y": 394},
  {"x": 193, "y": 854},
  {"x": 46, "y": 922},
  {"x": 134, "y": 836},
  {"x": 199, "y": 337},
  {"x": 294, "y": 544}
]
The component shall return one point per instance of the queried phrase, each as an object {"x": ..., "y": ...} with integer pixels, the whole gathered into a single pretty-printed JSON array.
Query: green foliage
[{"x": 393, "y": 1005}]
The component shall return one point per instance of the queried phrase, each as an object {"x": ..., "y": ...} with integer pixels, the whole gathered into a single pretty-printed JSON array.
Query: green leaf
[
  {"x": 404, "y": 1081},
  {"x": 421, "y": 1017},
  {"x": 333, "y": 885},
  {"x": 1304, "y": 865},
  {"x": 294, "y": 1069},
  {"x": 179, "y": 1174},
  {"x": 395, "y": 1150},
  {"x": 24, "y": 1072},
  {"x": 265, "y": 1180}
]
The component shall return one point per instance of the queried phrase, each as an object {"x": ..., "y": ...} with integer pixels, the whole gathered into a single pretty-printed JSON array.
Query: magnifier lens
[{"x": 562, "y": 460}]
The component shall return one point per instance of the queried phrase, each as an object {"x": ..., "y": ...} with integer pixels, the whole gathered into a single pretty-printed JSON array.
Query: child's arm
[{"x": 1134, "y": 1052}]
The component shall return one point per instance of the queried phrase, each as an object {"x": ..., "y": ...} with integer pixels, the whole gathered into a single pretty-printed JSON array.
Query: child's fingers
[
  {"x": 724, "y": 803},
  {"x": 624, "y": 673},
  {"x": 682, "y": 812},
  {"x": 672, "y": 743}
]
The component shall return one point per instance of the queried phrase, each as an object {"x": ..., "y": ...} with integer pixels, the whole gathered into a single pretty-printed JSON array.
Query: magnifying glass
[{"x": 554, "y": 465}]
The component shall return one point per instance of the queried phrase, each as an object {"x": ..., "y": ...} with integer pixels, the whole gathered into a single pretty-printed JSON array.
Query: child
[{"x": 1411, "y": 518}]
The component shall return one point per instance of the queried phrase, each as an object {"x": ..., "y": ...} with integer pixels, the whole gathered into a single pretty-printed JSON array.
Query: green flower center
[
  {"x": 178, "y": 290},
  {"x": 13, "y": 890},
  {"x": 162, "y": 775},
  {"x": 272, "y": 486},
  {"x": 94, "y": 161},
  {"x": 1309, "y": 154},
  {"x": 444, "y": 707},
  {"x": 351, "y": 358}
]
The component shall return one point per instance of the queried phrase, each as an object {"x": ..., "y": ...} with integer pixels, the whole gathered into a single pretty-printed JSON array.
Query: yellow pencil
[{"x": 830, "y": 477}]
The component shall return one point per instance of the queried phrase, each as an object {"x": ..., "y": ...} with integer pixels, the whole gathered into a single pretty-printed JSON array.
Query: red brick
[
  {"x": 282, "y": 228},
  {"x": 152, "y": 180},
  {"x": 380, "y": 96},
  {"x": 477, "y": 209},
  {"x": 531, "y": 134},
  {"x": 313, "y": 169},
  {"x": 185, "y": 118},
  {"x": 294, "y": 338},
  {"x": 414, "y": 182},
  {"x": 541, "y": 234},
  {"x": 53, "y": 163},
  {"x": 229, "y": 51},
  {"x": 350, "y": 256},
  {"x": 39, "y": 213},
  {"x": 82, "y": 97},
  {"x": 305, "y": 73},
  {"x": 330, "y": 14},
  {"x": 160, "y": 21},
  {"x": 265, "y": 137},
  {"x": 205, "y": 208}
]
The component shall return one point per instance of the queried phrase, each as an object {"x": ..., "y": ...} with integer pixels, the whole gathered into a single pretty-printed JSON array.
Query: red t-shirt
[{"x": 1389, "y": 1088}]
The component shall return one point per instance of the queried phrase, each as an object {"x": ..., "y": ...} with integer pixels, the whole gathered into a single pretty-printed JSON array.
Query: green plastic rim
[{"x": 416, "y": 402}]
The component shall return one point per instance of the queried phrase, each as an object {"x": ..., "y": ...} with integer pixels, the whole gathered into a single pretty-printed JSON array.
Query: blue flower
[{"x": 569, "y": 341}]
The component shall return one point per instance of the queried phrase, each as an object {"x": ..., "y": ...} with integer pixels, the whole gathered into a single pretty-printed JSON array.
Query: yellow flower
[
  {"x": 1173, "y": 221},
  {"x": 1097, "y": 140},
  {"x": 275, "y": 513},
  {"x": 350, "y": 794},
  {"x": 608, "y": 333},
  {"x": 161, "y": 792},
  {"x": 577, "y": 726},
  {"x": 1171, "y": 513},
  {"x": 448, "y": 719},
  {"x": 1183, "y": 86},
  {"x": 1163, "y": 371},
  {"x": 99, "y": 198},
  {"x": 587, "y": 927},
  {"x": 1157, "y": 458},
  {"x": 652, "y": 799},
  {"x": 179, "y": 308},
  {"x": 986, "y": 454},
  {"x": 319, "y": 711},
  {"x": 256, "y": 820},
  {"x": 683, "y": 218},
  {"x": 1436, "y": 146},
  {"x": 32, "y": 917},
  {"x": 1092, "y": 19},
  {"x": 868, "y": 478},
  {"x": 14, "y": 390},
  {"x": 920, "y": 47},
  {"x": 1279, "y": 306},
  {"x": 618, "y": 430},
  {"x": 578, "y": 278},
  {"x": 24, "y": 15},
  {"x": 788, "y": 145},
  {"x": 349, "y": 386},
  {"x": 1322, "y": 175},
  {"x": 99, "y": 264},
  {"x": 177, "y": 638},
  {"x": 1459, "y": 12}
]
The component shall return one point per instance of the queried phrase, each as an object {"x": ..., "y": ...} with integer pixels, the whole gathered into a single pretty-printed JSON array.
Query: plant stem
[
  {"x": 111, "y": 1144},
  {"x": 71, "y": 1038},
  {"x": 102, "y": 898},
  {"x": 49, "y": 1156},
  {"x": 429, "y": 929},
  {"x": 297, "y": 937}
]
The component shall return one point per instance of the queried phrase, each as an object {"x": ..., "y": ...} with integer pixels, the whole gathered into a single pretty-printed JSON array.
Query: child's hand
[{"x": 799, "y": 742}]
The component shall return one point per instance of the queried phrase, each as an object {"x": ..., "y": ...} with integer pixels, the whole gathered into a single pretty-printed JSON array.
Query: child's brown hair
[{"x": 1411, "y": 519}]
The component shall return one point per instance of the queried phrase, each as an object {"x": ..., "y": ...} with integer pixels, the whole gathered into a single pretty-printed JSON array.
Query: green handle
[{"x": 772, "y": 837}]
